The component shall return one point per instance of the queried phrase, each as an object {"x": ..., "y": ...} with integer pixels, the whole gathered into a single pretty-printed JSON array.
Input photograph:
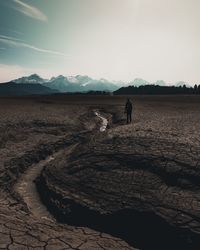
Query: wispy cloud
[
  {"x": 17, "y": 43},
  {"x": 11, "y": 38},
  {"x": 29, "y": 10}
]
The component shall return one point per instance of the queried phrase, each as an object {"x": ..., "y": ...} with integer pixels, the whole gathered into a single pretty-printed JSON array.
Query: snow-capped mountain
[
  {"x": 138, "y": 82},
  {"x": 60, "y": 83},
  {"x": 160, "y": 83},
  {"x": 71, "y": 84},
  {"x": 80, "y": 83},
  {"x": 30, "y": 79}
]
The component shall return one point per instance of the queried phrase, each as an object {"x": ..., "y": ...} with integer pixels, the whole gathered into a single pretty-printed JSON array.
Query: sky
[{"x": 112, "y": 39}]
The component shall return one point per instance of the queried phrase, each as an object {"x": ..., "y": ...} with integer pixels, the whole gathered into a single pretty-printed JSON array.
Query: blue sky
[{"x": 114, "y": 39}]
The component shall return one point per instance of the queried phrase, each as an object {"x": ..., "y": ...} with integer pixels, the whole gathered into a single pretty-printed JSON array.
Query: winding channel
[
  {"x": 104, "y": 122},
  {"x": 26, "y": 188}
]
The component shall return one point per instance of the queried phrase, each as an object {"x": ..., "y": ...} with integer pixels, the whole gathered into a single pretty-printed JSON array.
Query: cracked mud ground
[
  {"x": 30, "y": 131},
  {"x": 134, "y": 186}
]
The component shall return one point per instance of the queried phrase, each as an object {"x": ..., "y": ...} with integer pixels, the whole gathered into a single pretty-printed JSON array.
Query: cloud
[
  {"x": 17, "y": 43},
  {"x": 10, "y": 38},
  {"x": 29, "y": 10}
]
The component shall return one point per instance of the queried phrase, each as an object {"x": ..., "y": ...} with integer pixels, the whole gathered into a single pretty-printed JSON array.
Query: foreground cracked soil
[
  {"x": 21, "y": 230},
  {"x": 134, "y": 186},
  {"x": 31, "y": 133}
]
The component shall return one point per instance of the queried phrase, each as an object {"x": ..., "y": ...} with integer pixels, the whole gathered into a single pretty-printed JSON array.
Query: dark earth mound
[{"x": 131, "y": 188}]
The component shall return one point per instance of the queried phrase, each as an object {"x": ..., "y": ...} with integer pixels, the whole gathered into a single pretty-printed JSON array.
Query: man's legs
[{"x": 128, "y": 118}]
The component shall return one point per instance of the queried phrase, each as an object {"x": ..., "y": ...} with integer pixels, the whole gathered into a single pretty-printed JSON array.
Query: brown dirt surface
[{"x": 133, "y": 186}]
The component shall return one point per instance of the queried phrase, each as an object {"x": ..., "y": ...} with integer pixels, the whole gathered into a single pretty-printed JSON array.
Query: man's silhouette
[{"x": 128, "y": 111}]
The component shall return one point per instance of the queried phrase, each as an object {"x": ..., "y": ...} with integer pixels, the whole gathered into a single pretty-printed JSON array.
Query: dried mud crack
[{"x": 133, "y": 186}]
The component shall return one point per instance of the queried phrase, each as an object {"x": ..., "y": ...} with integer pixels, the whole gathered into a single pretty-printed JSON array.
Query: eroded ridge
[{"x": 139, "y": 189}]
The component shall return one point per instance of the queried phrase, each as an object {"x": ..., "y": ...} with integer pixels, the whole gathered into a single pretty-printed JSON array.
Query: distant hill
[
  {"x": 157, "y": 90},
  {"x": 13, "y": 89}
]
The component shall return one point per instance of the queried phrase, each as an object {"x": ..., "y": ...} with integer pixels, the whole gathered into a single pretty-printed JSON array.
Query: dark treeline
[
  {"x": 158, "y": 90},
  {"x": 85, "y": 93}
]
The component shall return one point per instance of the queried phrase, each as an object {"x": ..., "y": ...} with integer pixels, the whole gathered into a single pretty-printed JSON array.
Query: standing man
[{"x": 128, "y": 111}]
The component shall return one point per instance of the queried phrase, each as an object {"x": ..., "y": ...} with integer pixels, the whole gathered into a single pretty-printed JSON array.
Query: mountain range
[
  {"x": 81, "y": 83},
  {"x": 34, "y": 84},
  {"x": 70, "y": 84}
]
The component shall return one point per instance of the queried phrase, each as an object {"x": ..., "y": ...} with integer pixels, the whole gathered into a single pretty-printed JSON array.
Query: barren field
[{"x": 67, "y": 185}]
